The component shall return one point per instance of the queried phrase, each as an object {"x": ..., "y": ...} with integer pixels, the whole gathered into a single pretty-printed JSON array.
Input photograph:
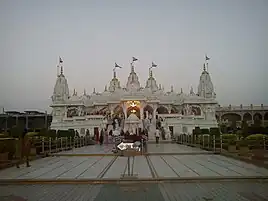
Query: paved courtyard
[
  {"x": 195, "y": 165},
  {"x": 168, "y": 161},
  {"x": 208, "y": 191}
]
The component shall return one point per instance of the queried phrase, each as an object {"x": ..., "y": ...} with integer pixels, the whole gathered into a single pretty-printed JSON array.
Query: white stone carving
[{"x": 150, "y": 95}]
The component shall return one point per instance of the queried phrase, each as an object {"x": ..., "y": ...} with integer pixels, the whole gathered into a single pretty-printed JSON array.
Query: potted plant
[
  {"x": 232, "y": 146},
  {"x": 243, "y": 147}
]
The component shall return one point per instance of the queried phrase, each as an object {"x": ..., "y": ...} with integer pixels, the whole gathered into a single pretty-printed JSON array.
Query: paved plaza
[
  {"x": 208, "y": 191},
  {"x": 172, "y": 166},
  {"x": 176, "y": 163}
]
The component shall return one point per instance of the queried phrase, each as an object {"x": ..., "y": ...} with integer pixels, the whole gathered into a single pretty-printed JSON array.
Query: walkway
[
  {"x": 164, "y": 162},
  {"x": 182, "y": 162}
]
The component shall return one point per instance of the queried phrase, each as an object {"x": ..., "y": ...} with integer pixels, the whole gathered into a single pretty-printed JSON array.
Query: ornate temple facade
[{"x": 137, "y": 107}]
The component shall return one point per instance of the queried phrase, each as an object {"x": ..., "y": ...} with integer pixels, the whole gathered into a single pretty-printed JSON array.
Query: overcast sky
[{"x": 91, "y": 35}]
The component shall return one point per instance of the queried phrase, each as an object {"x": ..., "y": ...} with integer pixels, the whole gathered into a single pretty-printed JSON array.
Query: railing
[
  {"x": 46, "y": 146},
  {"x": 220, "y": 144}
]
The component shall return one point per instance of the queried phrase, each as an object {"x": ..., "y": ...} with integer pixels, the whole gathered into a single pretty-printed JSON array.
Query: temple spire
[
  {"x": 132, "y": 64},
  {"x": 150, "y": 73},
  {"x": 192, "y": 91},
  {"x": 204, "y": 67},
  {"x": 115, "y": 67},
  {"x": 181, "y": 91},
  {"x": 172, "y": 90},
  {"x": 85, "y": 93},
  {"x": 60, "y": 67},
  {"x": 94, "y": 90},
  {"x": 74, "y": 93}
]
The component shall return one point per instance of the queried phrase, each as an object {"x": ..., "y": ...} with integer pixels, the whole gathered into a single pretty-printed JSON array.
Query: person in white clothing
[{"x": 157, "y": 135}]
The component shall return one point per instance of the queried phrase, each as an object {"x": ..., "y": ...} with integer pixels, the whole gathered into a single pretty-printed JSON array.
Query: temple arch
[
  {"x": 257, "y": 116},
  {"x": 162, "y": 110},
  {"x": 148, "y": 109},
  {"x": 247, "y": 117},
  {"x": 118, "y": 111},
  {"x": 265, "y": 116},
  {"x": 231, "y": 117},
  {"x": 196, "y": 110},
  {"x": 133, "y": 110},
  {"x": 174, "y": 110}
]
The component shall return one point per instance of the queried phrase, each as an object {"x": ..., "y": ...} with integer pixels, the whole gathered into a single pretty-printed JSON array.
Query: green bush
[
  {"x": 256, "y": 137},
  {"x": 205, "y": 131},
  {"x": 243, "y": 143},
  {"x": 256, "y": 141},
  {"x": 8, "y": 145},
  {"x": 32, "y": 134},
  {"x": 66, "y": 133},
  {"x": 16, "y": 131},
  {"x": 214, "y": 131},
  {"x": 229, "y": 136},
  {"x": 197, "y": 131}
]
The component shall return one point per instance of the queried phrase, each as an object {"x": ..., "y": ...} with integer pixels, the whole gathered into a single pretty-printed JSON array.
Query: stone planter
[
  {"x": 243, "y": 150},
  {"x": 33, "y": 151},
  {"x": 3, "y": 157},
  {"x": 232, "y": 148}
]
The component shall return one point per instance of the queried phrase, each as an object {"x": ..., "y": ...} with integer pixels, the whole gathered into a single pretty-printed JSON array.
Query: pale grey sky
[{"x": 92, "y": 35}]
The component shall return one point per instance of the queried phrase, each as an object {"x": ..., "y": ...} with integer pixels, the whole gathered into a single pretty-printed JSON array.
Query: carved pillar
[
  {"x": 125, "y": 110},
  {"x": 154, "y": 112},
  {"x": 141, "y": 112}
]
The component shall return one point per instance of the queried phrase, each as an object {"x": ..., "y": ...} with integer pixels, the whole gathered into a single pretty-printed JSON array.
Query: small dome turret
[
  {"x": 133, "y": 79},
  {"x": 61, "y": 89},
  {"x": 205, "y": 87},
  {"x": 151, "y": 82}
]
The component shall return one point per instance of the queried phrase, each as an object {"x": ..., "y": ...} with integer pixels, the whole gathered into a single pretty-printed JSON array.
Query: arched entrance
[
  {"x": 118, "y": 112},
  {"x": 147, "y": 111},
  {"x": 174, "y": 110},
  {"x": 231, "y": 117},
  {"x": 162, "y": 110},
  {"x": 196, "y": 110},
  {"x": 133, "y": 110},
  {"x": 247, "y": 117}
]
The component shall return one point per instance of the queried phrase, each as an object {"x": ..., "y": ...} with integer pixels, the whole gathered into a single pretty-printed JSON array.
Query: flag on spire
[
  {"x": 117, "y": 66},
  {"x": 207, "y": 58},
  {"x": 60, "y": 59},
  {"x": 134, "y": 59},
  {"x": 153, "y": 65}
]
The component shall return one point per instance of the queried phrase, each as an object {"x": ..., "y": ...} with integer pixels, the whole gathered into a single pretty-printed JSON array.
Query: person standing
[
  {"x": 157, "y": 135},
  {"x": 101, "y": 137},
  {"x": 24, "y": 149}
]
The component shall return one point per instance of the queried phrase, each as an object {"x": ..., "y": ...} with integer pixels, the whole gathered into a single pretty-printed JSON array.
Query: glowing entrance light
[{"x": 133, "y": 104}]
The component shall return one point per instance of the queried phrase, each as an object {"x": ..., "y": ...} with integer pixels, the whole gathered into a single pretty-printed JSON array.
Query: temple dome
[
  {"x": 205, "y": 87},
  {"x": 133, "y": 83},
  {"x": 133, "y": 117},
  {"x": 61, "y": 90}
]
